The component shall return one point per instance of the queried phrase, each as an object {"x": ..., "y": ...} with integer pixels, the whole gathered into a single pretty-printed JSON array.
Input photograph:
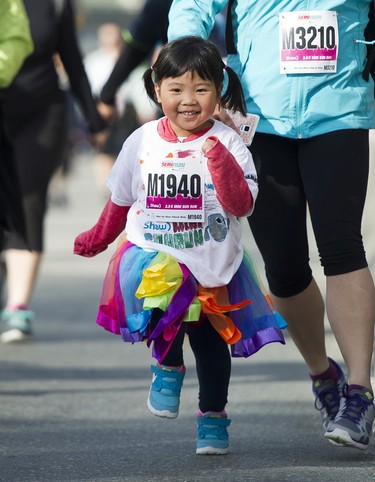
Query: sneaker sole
[
  {"x": 161, "y": 413},
  {"x": 341, "y": 438},
  {"x": 14, "y": 336},
  {"x": 211, "y": 451}
]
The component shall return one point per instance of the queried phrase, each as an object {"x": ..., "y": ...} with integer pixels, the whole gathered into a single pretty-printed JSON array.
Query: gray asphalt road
[{"x": 73, "y": 400}]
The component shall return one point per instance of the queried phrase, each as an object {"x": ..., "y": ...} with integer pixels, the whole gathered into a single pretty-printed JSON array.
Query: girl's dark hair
[{"x": 194, "y": 54}]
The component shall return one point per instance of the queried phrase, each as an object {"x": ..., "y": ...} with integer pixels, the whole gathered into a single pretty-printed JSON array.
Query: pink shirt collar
[{"x": 166, "y": 132}]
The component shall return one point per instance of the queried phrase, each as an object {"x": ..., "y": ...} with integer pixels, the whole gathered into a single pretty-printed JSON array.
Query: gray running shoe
[
  {"x": 328, "y": 395},
  {"x": 17, "y": 325},
  {"x": 353, "y": 424}
]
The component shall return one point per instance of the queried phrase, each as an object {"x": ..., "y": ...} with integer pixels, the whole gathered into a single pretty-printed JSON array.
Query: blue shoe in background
[{"x": 17, "y": 325}]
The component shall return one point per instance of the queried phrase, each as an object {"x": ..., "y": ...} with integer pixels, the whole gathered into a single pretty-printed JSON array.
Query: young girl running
[{"x": 179, "y": 185}]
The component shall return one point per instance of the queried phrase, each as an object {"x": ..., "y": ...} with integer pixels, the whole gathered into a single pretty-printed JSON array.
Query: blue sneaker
[
  {"x": 353, "y": 424},
  {"x": 328, "y": 395},
  {"x": 164, "y": 396},
  {"x": 17, "y": 325},
  {"x": 212, "y": 434}
]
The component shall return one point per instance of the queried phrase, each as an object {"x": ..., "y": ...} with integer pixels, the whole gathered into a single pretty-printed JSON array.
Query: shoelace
[
  {"x": 328, "y": 398},
  {"x": 355, "y": 405}
]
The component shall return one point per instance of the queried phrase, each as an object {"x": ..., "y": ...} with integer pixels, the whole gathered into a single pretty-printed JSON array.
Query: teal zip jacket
[{"x": 290, "y": 105}]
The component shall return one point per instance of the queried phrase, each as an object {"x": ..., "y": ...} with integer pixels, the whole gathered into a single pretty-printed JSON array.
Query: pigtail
[
  {"x": 233, "y": 98},
  {"x": 149, "y": 85}
]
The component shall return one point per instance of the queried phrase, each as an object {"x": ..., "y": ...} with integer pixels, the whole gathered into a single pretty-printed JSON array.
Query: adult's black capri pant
[
  {"x": 40, "y": 142},
  {"x": 327, "y": 175}
]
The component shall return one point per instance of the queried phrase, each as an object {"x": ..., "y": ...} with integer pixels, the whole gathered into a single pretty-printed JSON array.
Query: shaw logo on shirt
[{"x": 187, "y": 235}]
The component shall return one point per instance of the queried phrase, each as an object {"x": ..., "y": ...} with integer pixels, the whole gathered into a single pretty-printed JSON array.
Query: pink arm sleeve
[
  {"x": 231, "y": 187},
  {"x": 110, "y": 225}
]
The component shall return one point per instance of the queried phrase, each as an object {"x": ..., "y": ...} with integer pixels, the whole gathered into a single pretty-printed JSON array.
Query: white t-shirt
[{"x": 148, "y": 165}]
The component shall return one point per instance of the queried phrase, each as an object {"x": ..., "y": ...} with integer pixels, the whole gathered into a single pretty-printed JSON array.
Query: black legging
[
  {"x": 327, "y": 173},
  {"x": 212, "y": 358}
]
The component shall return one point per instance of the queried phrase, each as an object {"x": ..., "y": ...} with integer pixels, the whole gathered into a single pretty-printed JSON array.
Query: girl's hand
[
  {"x": 209, "y": 143},
  {"x": 85, "y": 244},
  {"x": 110, "y": 225}
]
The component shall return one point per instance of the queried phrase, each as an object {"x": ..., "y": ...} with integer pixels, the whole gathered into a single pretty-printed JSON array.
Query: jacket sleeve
[
  {"x": 229, "y": 180},
  {"x": 110, "y": 225},
  {"x": 15, "y": 39},
  {"x": 189, "y": 17}
]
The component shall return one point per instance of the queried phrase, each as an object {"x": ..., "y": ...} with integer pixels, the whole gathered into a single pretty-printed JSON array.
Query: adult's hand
[
  {"x": 223, "y": 116},
  {"x": 107, "y": 111}
]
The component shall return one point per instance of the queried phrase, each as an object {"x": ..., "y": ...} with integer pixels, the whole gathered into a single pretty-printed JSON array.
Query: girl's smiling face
[{"x": 188, "y": 101}]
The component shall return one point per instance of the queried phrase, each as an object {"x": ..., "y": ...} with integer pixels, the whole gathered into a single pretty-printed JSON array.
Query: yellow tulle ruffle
[{"x": 160, "y": 281}]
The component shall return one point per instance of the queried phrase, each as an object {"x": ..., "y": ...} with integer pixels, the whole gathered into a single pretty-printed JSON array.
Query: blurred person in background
[
  {"x": 98, "y": 65},
  {"x": 36, "y": 117},
  {"x": 15, "y": 45}
]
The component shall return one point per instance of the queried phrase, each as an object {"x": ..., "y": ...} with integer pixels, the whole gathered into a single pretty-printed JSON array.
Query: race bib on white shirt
[
  {"x": 175, "y": 187},
  {"x": 309, "y": 42}
]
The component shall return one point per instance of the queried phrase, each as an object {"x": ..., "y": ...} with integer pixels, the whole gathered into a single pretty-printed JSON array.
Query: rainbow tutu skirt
[{"x": 138, "y": 281}]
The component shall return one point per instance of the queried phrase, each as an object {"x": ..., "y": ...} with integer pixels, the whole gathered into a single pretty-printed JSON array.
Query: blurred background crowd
[
  {"x": 79, "y": 95},
  {"x": 51, "y": 114}
]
